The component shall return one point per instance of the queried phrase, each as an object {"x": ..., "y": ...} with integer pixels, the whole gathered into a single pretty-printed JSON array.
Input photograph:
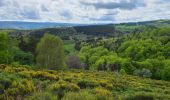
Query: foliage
[
  {"x": 62, "y": 87},
  {"x": 24, "y": 83},
  {"x": 145, "y": 53},
  {"x": 73, "y": 62},
  {"x": 43, "y": 96},
  {"x": 85, "y": 83},
  {"x": 83, "y": 95},
  {"x": 23, "y": 58},
  {"x": 10, "y": 53},
  {"x": 143, "y": 73},
  {"x": 165, "y": 72},
  {"x": 122, "y": 72},
  {"x": 140, "y": 96},
  {"x": 50, "y": 53},
  {"x": 98, "y": 57},
  {"x": 5, "y": 52},
  {"x": 13, "y": 87}
]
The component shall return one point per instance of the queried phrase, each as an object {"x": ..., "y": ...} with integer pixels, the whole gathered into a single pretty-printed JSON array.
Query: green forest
[{"x": 107, "y": 62}]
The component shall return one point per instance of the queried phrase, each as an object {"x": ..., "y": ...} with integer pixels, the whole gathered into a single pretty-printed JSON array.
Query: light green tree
[
  {"x": 50, "y": 53},
  {"x": 5, "y": 52}
]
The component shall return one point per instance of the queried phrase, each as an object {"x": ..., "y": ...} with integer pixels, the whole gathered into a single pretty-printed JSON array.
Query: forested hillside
[
  {"x": 144, "y": 54},
  {"x": 116, "y": 62}
]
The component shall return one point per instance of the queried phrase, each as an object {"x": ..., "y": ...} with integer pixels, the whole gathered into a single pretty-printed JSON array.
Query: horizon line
[{"x": 90, "y": 22}]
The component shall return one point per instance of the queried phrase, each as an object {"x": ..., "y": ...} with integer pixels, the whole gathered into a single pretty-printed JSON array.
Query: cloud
[
  {"x": 85, "y": 11},
  {"x": 123, "y": 4},
  {"x": 107, "y": 18},
  {"x": 1, "y": 3},
  {"x": 30, "y": 13},
  {"x": 66, "y": 14},
  {"x": 44, "y": 8}
]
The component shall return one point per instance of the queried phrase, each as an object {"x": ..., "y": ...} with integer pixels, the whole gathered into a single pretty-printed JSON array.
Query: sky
[{"x": 84, "y": 11}]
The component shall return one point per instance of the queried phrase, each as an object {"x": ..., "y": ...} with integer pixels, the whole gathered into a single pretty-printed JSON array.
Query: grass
[
  {"x": 69, "y": 46},
  {"x": 25, "y": 83}
]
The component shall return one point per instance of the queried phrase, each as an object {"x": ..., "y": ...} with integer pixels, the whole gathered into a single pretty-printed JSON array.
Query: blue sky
[{"x": 84, "y": 11}]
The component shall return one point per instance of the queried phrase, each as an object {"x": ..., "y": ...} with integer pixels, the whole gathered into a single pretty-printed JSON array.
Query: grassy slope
[{"x": 24, "y": 82}]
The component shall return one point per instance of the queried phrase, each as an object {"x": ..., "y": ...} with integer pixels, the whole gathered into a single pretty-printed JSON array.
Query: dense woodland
[{"x": 96, "y": 62}]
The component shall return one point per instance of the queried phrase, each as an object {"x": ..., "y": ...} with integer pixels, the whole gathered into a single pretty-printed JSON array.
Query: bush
[
  {"x": 84, "y": 83},
  {"x": 23, "y": 58},
  {"x": 73, "y": 62},
  {"x": 127, "y": 66},
  {"x": 122, "y": 72},
  {"x": 143, "y": 73},
  {"x": 87, "y": 95},
  {"x": 12, "y": 86},
  {"x": 106, "y": 84},
  {"x": 140, "y": 96},
  {"x": 21, "y": 87},
  {"x": 15, "y": 64},
  {"x": 42, "y": 96},
  {"x": 40, "y": 74},
  {"x": 84, "y": 95},
  {"x": 102, "y": 91},
  {"x": 62, "y": 87}
]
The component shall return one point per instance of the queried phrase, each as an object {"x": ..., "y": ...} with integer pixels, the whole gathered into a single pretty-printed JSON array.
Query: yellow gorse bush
[
  {"x": 22, "y": 82},
  {"x": 64, "y": 86},
  {"x": 103, "y": 91},
  {"x": 40, "y": 74}
]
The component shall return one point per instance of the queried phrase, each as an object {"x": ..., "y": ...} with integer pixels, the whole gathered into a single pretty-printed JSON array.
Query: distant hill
[
  {"x": 33, "y": 25},
  {"x": 40, "y": 25},
  {"x": 140, "y": 26},
  {"x": 154, "y": 23},
  {"x": 67, "y": 30}
]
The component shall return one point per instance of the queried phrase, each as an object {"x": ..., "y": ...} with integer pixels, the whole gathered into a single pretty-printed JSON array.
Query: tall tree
[
  {"x": 5, "y": 54},
  {"x": 50, "y": 52}
]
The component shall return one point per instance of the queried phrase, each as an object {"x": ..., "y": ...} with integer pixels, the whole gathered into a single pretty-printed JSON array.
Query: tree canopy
[{"x": 50, "y": 52}]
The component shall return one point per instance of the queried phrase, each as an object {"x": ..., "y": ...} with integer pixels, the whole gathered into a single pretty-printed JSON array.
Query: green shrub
[
  {"x": 42, "y": 96},
  {"x": 12, "y": 86},
  {"x": 104, "y": 97},
  {"x": 3, "y": 66},
  {"x": 84, "y": 95},
  {"x": 15, "y": 64},
  {"x": 73, "y": 62},
  {"x": 106, "y": 84},
  {"x": 102, "y": 91},
  {"x": 21, "y": 87},
  {"x": 62, "y": 87},
  {"x": 122, "y": 72},
  {"x": 140, "y": 96},
  {"x": 143, "y": 73},
  {"x": 86, "y": 83}
]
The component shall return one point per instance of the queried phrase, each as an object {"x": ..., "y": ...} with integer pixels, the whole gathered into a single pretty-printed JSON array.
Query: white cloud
[{"x": 75, "y": 11}]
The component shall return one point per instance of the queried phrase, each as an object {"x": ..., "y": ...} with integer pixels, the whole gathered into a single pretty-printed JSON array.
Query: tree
[
  {"x": 50, "y": 52},
  {"x": 5, "y": 51},
  {"x": 23, "y": 58},
  {"x": 74, "y": 62}
]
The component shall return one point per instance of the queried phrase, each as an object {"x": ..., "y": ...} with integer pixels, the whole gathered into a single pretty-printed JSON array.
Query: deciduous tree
[{"x": 50, "y": 52}]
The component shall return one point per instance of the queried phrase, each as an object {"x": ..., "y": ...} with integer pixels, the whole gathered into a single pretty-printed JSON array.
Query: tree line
[{"x": 145, "y": 54}]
